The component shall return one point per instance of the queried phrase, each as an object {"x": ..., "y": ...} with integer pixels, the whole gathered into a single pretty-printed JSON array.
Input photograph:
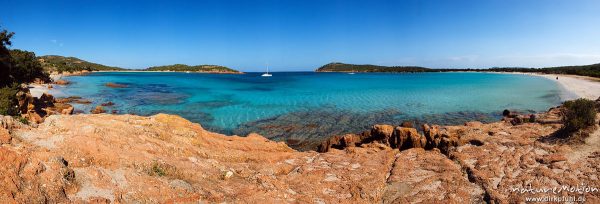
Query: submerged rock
[
  {"x": 61, "y": 82},
  {"x": 115, "y": 85}
]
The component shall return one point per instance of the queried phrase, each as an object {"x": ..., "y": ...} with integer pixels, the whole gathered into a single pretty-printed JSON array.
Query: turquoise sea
[{"x": 296, "y": 106}]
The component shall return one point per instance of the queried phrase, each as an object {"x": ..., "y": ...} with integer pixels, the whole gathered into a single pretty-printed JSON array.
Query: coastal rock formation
[
  {"x": 98, "y": 110},
  {"x": 36, "y": 109},
  {"x": 165, "y": 159}
]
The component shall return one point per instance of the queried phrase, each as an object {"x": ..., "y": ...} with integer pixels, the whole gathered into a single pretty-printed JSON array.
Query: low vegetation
[
  {"x": 161, "y": 169},
  {"x": 341, "y": 67},
  {"x": 197, "y": 68},
  {"x": 8, "y": 100},
  {"x": 71, "y": 64},
  {"x": 584, "y": 70},
  {"x": 578, "y": 115}
]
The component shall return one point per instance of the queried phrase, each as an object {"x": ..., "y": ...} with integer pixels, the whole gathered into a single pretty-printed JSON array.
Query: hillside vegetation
[
  {"x": 61, "y": 64},
  {"x": 592, "y": 70},
  {"x": 341, "y": 67},
  {"x": 16, "y": 67},
  {"x": 583, "y": 70},
  {"x": 197, "y": 68}
]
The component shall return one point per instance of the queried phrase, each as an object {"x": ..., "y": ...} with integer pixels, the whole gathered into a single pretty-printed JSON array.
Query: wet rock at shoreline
[
  {"x": 36, "y": 109},
  {"x": 305, "y": 130},
  {"x": 98, "y": 110}
]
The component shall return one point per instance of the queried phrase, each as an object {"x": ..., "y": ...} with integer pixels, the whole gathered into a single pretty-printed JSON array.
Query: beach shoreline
[{"x": 583, "y": 87}]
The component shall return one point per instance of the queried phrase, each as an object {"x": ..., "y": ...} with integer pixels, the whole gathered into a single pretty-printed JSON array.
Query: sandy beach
[{"x": 584, "y": 87}]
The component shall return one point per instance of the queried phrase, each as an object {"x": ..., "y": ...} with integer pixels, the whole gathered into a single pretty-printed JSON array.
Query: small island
[
  {"x": 196, "y": 68},
  {"x": 342, "y": 67},
  {"x": 76, "y": 66}
]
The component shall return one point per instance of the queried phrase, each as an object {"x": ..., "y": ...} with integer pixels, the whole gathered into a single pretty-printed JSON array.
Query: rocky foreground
[{"x": 165, "y": 158}]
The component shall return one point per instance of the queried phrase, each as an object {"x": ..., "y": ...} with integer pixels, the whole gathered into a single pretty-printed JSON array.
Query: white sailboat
[
  {"x": 352, "y": 71},
  {"x": 267, "y": 73}
]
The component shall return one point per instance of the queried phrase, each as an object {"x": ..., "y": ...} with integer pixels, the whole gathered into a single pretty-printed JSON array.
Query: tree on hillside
[
  {"x": 16, "y": 67},
  {"x": 26, "y": 67},
  {"x": 5, "y": 61}
]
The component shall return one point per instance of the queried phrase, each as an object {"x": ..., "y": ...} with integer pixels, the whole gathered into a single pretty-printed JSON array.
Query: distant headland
[
  {"x": 592, "y": 70},
  {"x": 55, "y": 63}
]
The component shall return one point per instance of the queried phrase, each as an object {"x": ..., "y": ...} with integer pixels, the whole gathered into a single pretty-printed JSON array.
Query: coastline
[
  {"x": 202, "y": 72},
  {"x": 583, "y": 87}
]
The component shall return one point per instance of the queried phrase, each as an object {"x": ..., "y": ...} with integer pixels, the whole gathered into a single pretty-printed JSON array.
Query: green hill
[
  {"x": 197, "y": 68},
  {"x": 341, "y": 67},
  {"x": 71, "y": 64}
]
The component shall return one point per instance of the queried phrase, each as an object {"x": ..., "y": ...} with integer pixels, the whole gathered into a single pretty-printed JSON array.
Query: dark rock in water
[
  {"x": 98, "y": 110},
  {"x": 115, "y": 85},
  {"x": 532, "y": 118},
  {"x": 517, "y": 120},
  {"x": 69, "y": 99},
  {"x": 110, "y": 103},
  {"x": 62, "y": 82},
  {"x": 506, "y": 113},
  {"x": 82, "y": 101}
]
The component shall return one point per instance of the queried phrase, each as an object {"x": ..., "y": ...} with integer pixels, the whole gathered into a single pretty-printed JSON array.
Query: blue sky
[{"x": 305, "y": 34}]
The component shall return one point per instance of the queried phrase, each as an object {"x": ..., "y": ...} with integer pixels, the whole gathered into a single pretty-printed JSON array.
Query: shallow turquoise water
[{"x": 234, "y": 103}]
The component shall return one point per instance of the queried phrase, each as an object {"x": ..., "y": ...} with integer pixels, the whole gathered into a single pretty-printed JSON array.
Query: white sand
[
  {"x": 37, "y": 90},
  {"x": 584, "y": 87}
]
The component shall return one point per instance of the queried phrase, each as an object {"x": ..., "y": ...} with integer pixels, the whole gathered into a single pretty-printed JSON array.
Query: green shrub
[
  {"x": 579, "y": 114},
  {"x": 26, "y": 68},
  {"x": 8, "y": 100},
  {"x": 23, "y": 120}
]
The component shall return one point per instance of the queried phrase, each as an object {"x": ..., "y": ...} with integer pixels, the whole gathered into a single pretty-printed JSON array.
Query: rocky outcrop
[
  {"x": 5, "y": 137},
  {"x": 443, "y": 138},
  {"x": 36, "y": 109},
  {"x": 98, "y": 110},
  {"x": 167, "y": 159},
  {"x": 421, "y": 176},
  {"x": 504, "y": 161}
]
